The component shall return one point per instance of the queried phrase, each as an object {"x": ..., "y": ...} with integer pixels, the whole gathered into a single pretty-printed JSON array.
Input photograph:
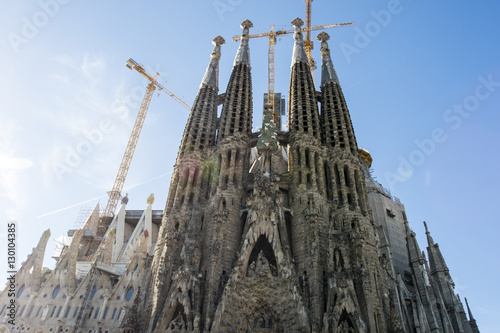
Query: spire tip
[
  {"x": 471, "y": 317},
  {"x": 297, "y": 22},
  {"x": 218, "y": 41},
  {"x": 323, "y": 37},
  {"x": 243, "y": 53},
  {"x": 246, "y": 24}
]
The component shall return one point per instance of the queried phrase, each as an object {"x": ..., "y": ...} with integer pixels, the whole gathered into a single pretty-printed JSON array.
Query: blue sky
[{"x": 421, "y": 79}]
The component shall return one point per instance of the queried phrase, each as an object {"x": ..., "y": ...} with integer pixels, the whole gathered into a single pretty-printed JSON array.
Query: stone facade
[{"x": 262, "y": 232}]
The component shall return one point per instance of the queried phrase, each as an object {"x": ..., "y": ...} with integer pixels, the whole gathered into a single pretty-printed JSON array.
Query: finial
[
  {"x": 430, "y": 241},
  {"x": 323, "y": 37},
  {"x": 125, "y": 199},
  {"x": 297, "y": 23},
  {"x": 151, "y": 198},
  {"x": 468, "y": 310},
  {"x": 218, "y": 41},
  {"x": 247, "y": 24},
  {"x": 426, "y": 230},
  {"x": 46, "y": 234}
]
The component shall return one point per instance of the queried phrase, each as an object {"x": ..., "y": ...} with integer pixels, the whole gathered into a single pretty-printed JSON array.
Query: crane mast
[
  {"x": 308, "y": 41},
  {"x": 115, "y": 193},
  {"x": 270, "y": 80}
]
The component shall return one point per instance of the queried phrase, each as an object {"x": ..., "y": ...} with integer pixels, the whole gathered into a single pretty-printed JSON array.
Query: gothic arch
[
  {"x": 345, "y": 323},
  {"x": 263, "y": 251},
  {"x": 178, "y": 323},
  {"x": 338, "y": 259}
]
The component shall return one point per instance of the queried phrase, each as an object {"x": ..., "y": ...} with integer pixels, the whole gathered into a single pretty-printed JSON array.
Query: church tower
[
  {"x": 278, "y": 243},
  {"x": 174, "y": 297}
]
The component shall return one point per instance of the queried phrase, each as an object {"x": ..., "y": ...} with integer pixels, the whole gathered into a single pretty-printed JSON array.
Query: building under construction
[{"x": 274, "y": 231}]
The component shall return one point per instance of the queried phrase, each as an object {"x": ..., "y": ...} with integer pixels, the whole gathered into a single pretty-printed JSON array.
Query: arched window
[
  {"x": 56, "y": 292},
  {"x": 20, "y": 292},
  {"x": 92, "y": 292},
  {"x": 130, "y": 293}
]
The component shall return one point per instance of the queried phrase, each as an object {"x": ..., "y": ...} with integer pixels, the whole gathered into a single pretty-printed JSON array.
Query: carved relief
[
  {"x": 264, "y": 322},
  {"x": 178, "y": 323},
  {"x": 311, "y": 209},
  {"x": 262, "y": 260}
]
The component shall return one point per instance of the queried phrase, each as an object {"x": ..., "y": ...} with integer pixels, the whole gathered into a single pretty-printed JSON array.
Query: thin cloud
[
  {"x": 102, "y": 196},
  {"x": 92, "y": 66},
  {"x": 83, "y": 105},
  {"x": 11, "y": 170},
  {"x": 69, "y": 207},
  {"x": 61, "y": 78},
  {"x": 14, "y": 163}
]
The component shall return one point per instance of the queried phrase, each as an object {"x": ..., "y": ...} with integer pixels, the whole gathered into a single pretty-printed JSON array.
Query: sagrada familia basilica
[{"x": 270, "y": 231}]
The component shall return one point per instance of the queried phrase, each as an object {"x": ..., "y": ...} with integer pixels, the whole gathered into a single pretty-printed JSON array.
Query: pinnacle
[
  {"x": 243, "y": 53},
  {"x": 323, "y": 37},
  {"x": 328, "y": 73},
  {"x": 299, "y": 52},
  {"x": 210, "y": 79},
  {"x": 468, "y": 310},
  {"x": 429, "y": 237},
  {"x": 297, "y": 22},
  {"x": 218, "y": 41},
  {"x": 246, "y": 24}
]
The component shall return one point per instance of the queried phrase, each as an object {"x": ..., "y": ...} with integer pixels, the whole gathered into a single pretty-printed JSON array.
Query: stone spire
[
  {"x": 304, "y": 113},
  {"x": 472, "y": 321},
  {"x": 211, "y": 77},
  {"x": 200, "y": 128},
  {"x": 32, "y": 267},
  {"x": 328, "y": 73},
  {"x": 417, "y": 264},
  {"x": 236, "y": 115},
  {"x": 243, "y": 54},
  {"x": 442, "y": 278},
  {"x": 299, "y": 50},
  {"x": 428, "y": 234},
  {"x": 413, "y": 248},
  {"x": 436, "y": 259},
  {"x": 338, "y": 131},
  {"x": 471, "y": 317}
]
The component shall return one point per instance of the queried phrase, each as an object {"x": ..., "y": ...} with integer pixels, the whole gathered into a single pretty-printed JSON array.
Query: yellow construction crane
[
  {"x": 272, "y": 35},
  {"x": 115, "y": 193},
  {"x": 308, "y": 43}
]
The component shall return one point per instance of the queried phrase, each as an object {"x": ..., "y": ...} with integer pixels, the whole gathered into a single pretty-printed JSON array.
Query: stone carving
[
  {"x": 125, "y": 199},
  {"x": 311, "y": 209},
  {"x": 151, "y": 199},
  {"x": 221, "y": 209},
  {"x": 345, "y": 328},
  {"x": 178, "y": 324}
]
